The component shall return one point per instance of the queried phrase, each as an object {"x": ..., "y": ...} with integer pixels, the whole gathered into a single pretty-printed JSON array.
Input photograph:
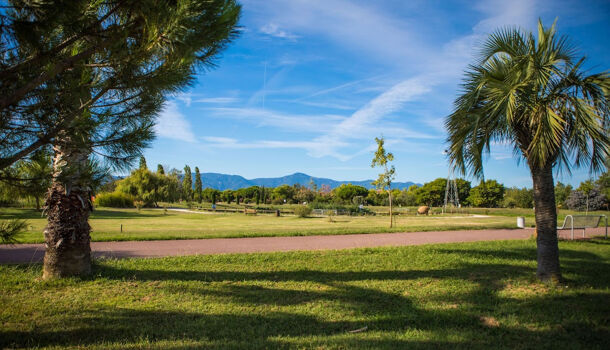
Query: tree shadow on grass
[{"x": 272, "y": 310}]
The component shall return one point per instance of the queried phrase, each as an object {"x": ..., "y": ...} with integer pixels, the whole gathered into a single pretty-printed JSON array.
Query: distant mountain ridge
[{"x": 233, "y": 182}]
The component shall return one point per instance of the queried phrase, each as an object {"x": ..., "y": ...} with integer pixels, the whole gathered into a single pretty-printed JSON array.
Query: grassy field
[
  {"x": 149, "y": 224},
  {"x": 470, "y": 296}
]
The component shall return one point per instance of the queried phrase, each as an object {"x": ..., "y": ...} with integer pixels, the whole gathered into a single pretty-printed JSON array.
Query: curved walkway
[{"x": 28, "y": 253}]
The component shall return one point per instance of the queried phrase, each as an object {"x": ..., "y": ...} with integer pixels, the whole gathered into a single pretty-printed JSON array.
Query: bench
[
  {"x": 249, "y": 211},
  {"x": 583, "y": 222}
]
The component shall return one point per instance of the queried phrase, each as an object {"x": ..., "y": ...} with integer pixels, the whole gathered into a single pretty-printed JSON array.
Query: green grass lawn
[
  {"x": 470, "y": 295},
  {"x": 150, "y": 224}
]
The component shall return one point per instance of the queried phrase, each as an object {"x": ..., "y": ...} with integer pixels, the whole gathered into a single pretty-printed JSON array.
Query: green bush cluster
[
  {"x": 114, "y": 200},
  {"x": 302, "y": 211}
]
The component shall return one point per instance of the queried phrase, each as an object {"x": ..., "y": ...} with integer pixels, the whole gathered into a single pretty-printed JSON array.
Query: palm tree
[{"x": 534, "y": 95}]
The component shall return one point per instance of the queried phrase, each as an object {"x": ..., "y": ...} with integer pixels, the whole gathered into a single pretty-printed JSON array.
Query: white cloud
[
  {"x": 172, "y": 124},
  {"x": 274, "y": 30},
  {"x": 218, "y": 100},
  {"x": 286, "y": 121}
]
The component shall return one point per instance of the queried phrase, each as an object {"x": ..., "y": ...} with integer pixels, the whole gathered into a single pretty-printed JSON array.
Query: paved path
[{"x": 26, "y": 253}]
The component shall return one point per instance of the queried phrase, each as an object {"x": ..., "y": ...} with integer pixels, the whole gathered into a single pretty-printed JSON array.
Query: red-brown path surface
[{"x": 26, "y": 253}]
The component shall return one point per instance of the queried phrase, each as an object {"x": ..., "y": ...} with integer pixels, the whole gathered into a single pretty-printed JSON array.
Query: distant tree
[
  {"x": 303, "y": 194},
  {"x": 562, "y": 192},
  {"x": 210, "y": 195},
  {"x": 228, "y": 196},
  {"x": 518, "y": 198},
  {"x": 142, "y": 184},
  {"x": 143, "y": 163},
  {"x": 160, "y": 169},
  {"x": 169, "y": 188},
  {"x": 284, "y": 193},
  {"x": 586, "y": 187},
  {"x": 198, "y": 185},
  {"x": 187, "y": 184},
  {"x": 312, "y": 185},
  {"x": 594, "y": 199},
  {"x": 604, "y": 182},
  {"x": 488, "y": 194},
  {"x": 375, "y": 197},
  {"x": 407, "y": 197},
  {"x": 384, "y": 181},
  {"x": 346, "y": 192},
  {"x": 431, "y": 193}
]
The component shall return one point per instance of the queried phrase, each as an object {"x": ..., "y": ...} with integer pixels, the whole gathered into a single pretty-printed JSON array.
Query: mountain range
[{"x": 232, "y": 182}]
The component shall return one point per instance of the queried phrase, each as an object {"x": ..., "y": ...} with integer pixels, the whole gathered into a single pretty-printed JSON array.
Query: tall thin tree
[
  {"x": 198, "y": 186},
  {"x": 384, "y": 181},
  {"x": 187, "y": 184}
]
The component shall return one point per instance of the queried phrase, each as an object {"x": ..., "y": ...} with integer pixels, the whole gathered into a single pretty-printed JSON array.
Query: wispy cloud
[
  {"x": 218, "y": 100},
  {"x": 274, "y": 30},
  {"x": 173, "y": 124}
]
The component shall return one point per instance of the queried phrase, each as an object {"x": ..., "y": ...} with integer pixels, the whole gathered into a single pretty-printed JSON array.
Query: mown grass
[
  {"x": 149, "y": 224},
  {"x": 470, "y": 295}
]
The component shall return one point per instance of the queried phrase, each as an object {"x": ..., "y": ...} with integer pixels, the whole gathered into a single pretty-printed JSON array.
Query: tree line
[{"x": 147, "y": 188}]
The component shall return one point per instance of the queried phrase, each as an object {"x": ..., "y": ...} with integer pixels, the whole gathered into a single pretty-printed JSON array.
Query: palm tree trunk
[
  {"x": 68, "y": 205},
  {"x": 546, "y": 224}
]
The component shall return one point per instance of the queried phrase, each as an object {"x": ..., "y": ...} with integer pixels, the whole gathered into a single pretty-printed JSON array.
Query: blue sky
[{"x": 309, "y": 84}]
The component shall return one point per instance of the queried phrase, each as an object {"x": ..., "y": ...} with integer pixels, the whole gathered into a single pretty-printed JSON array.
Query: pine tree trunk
[
  {"x": 68, "y": 205},
  {"x": 546, "y": 225}
]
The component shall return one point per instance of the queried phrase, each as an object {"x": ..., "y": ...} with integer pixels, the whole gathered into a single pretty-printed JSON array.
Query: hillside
[{"x": 224, "y": 181}]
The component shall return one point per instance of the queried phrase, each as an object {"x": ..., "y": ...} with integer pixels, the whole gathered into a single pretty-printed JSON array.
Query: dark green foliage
[
  {"x": 284, "y": 194},
  {"x": 143, "y": 163},
  {"x": 10, "y": 229},
  {"x": 114, "y": 200},
  {"x": 562, "y": 192},
  {"x": 211, "y": 195},
  {"x": 518, "y": 198},
  {"x": 488, "y": 194},
  {"x": 228, "y": 196},
  {"x": 101, "y": 69},
  {"x": 375, "y": 197},
  {"x": 432, "y": 193},
  {"x": 187, "y": 184},
  {"x": 198, "y": 186},
  {"x": 160, "y": 169},
  {"x": 346, "y": 192}
]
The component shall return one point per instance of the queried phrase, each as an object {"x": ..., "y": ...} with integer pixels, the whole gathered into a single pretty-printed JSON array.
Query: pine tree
[
  {"x": 187, "y": 184},
  {"x": 89, "y": 77},
  {"x": 118, "y": 51},
  {"x": 198, "y": 185}
]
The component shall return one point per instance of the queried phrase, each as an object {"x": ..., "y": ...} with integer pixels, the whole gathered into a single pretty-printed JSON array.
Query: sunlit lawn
[
  {"x": 149, "y": 224},
  {"x": 469, "y": 295}
]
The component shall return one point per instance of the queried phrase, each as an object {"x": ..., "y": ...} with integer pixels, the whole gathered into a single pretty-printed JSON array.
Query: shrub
[
  {"x": 114, "y": 200},
  {"x": 302, "y": 211}
]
